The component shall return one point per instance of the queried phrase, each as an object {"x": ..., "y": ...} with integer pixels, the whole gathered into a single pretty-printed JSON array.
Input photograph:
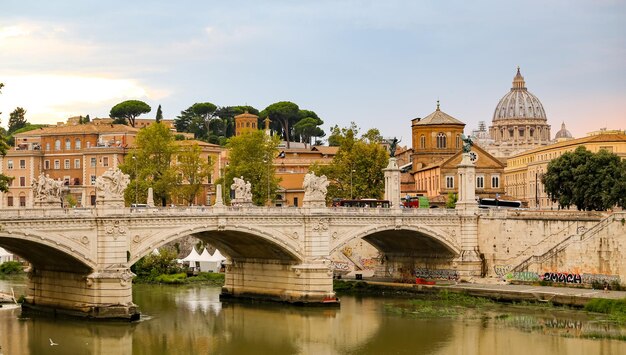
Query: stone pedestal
[
  {"x": 392, "y": 183},
  {"x": 467, "y": 185},
  {"x": 219, "y": 200},
  {"x": 469, "y": 263},
  {"x": 150, "y": 199}
]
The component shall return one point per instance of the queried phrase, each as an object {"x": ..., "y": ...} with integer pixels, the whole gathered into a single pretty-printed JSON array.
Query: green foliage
[
  {"x": 151, "y": 266},
  {"x": 17, "y": 120},
  {"x": 192, "y": 171},
  {"x": 70, "y": 201},
  {"x": 307, "y": 128},
  {"x": 159, "y": 115},
  {"x": 616, "y": 309},
  {"x": 251, "y": 157},
  {"x": 282, "y": 114},
  {"x": 173, "y": 279},
  {"x": 356, "y": 169},
  {"x": 11, "y": 267},
  {"x": 129, "y": 110},
  {"x": 149, "y": 164},
  {"x": 589, "y": 181},
  {"x": 451, "y": 201}
]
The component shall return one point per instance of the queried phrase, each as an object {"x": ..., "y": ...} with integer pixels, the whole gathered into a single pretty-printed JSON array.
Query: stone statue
[
  {"x": 467, "y": 143},
  {"x": 239, "y": 185},
  {"x": 393, "y": 143},
  {"x": 112, "y": 183},
  {"x": 248, "y": 191},
  {"x": 315, "y": 187},
  {"x": 46, "y": 189}
]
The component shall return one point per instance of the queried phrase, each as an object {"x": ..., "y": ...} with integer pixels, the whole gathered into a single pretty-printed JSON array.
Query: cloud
[{"x": 49, "y": 97}]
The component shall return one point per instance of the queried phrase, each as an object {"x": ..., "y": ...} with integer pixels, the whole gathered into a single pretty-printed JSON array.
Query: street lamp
[
  {"x": 268, "y": 161},
  {"x": 136, "y": 180},
  {"x": 351, "y": 171}
]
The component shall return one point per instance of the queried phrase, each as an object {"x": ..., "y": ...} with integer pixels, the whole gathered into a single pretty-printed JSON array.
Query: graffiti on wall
[
  {"x": 600, "y": 278},
  {"x": 523, "y": 276},
  {"x": 341, "y": 266},
  {"x": 446, "y": 274},
  {"x": 502, "y": 270},
  {"x": 562, "y": 277}
]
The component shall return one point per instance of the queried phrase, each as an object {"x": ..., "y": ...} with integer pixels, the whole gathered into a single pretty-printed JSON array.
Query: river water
[{"x": 192, "y": 320}]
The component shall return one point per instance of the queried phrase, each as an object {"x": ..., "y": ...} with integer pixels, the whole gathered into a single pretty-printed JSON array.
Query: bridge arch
[
  {"x": 232, "y": 241},
  {"x": 47, "y": 251},
  {"x": 406, "y": 239}
]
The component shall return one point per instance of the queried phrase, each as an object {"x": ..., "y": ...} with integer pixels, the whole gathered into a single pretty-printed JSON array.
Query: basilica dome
[
  {"x": 563, "y": 133},
  {"x": 519, "y": 103}
]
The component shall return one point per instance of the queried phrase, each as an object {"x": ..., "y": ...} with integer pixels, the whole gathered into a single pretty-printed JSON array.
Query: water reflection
[{"x": 192, "y": 320}]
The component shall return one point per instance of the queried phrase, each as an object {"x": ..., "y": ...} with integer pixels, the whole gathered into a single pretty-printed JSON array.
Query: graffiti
[
  {"x": 501, "y": 270},
  {"x": 562, "y": 277},
  {"x": 523, "y": 276},
  {"x": 581, "y": 229},
  {"x": 341, "y": 266},
  {"x": 370, "y": 263},
  {"x": 446, "y": 274},
  {"x": 600, "y": 278}
]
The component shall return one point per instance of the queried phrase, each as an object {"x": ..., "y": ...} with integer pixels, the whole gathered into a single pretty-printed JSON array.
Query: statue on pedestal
[
  {"x": 467, "y": 143},
  {"x": 111, "y": 184},
  {"x": 46, "y": 189},
  {"x": 315, "y": 189}
]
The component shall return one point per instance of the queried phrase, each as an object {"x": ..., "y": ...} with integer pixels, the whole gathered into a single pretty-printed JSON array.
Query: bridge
[{"x": 81, "y": 258}]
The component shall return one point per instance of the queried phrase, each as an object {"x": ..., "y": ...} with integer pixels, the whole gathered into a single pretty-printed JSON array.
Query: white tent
[
  {"x": 215, "y": 260},
  {"x": 193, "y": 259},
  {"x": 5, "y": 256}
]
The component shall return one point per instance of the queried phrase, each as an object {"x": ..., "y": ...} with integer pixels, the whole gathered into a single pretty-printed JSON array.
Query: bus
[
  {"x": 495, "y": 203},
  {"x": 415, "y": 202},
  {"x": 364, "y": 202}
]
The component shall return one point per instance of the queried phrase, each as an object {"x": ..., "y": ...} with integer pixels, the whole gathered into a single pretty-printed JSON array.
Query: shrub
[{"x": 11, "y": 267}]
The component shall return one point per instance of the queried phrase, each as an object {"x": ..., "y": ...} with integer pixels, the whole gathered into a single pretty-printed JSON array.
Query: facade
[
  {"x": 522, "y": 175},
  {"x": 246, "y": 122},
  {"x": 519, "y": 123},
  {"x": 437, "y": 147},
  {"x": 76, "y": 154}
]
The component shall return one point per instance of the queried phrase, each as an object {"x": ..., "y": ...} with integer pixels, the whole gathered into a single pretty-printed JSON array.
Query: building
[
  {"x": 76, "y": 154},
  {"x": 437, "y": 147},
  {"x": 522, "y": 175},
  {"x": 519, "y": 123},
  {"x": 246, "y": 122}
]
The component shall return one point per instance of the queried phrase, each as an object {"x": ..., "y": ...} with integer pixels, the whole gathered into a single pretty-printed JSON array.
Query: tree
[
  {"x": 159, "y": 114},
  {"x": 206, "y": 111},
  {"x": 307, "y": 128},
  {"x": 150, "y": 164},
  {"x": 589, "y": 181},
  {"x": 251, "y": 157},
  {"x": 188, "y": 121},
  {"x": 17, "y": 120},
  {"x": 129, "y": 110},
  {"x": 193, "y": 171},
  {"x": 282, "y": 113},
  {"x": 337, "y": 134},
  {"x": 356, "y": 169}
]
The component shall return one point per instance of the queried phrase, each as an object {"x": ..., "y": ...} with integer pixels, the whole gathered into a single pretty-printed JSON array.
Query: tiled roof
[{"x": 79, "y": 129}]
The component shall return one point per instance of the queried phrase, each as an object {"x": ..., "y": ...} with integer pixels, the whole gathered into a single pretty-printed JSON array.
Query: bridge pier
[
  {"x": 102, "y": 295},
  {"x": 277, "y": 280}
]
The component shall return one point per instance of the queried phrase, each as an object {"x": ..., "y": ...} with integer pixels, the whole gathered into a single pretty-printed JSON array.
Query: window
[
  {"x": 76, "y": 163},
  {"x": 77, "y": 144},
  {"x": 441, "y": 140},
  {"x": 46, "y": 164},
  {"x": 22, "y": 164},
  {"x": 67, "y": 164},
  {"x": 57, "y": 164},
  {"x": 10, "y": 201},
  {"x": 495, "y": 181},
  {"x": 66, "y": 180},
  {"x": 480, "y": 182},
  {"x": 458, "y": 141},
  {"x": 93, "y": 179},
  {"x": 10, "y": 164},
  {"x": 47, "y": 146},
  {"x": 68, "y": 144},
  {"x": 22, "y": 201},
  {"x": 105, "y": 161},
  {"x": 422, "y": 141},
  {"x": 449, "y": 182},
  {"x": 93, "y": 162},
  {"x": 57, "y": 145},
  {"x": 22, "y": 180}
]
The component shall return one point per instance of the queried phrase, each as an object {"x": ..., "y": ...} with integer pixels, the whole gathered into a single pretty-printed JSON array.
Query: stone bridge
[{"x": 81, "y": 258}]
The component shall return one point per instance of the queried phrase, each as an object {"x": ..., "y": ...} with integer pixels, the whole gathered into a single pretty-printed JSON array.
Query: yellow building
[
  {"x": 523, "y": 172},
  {"x": 246, "y": 122}
]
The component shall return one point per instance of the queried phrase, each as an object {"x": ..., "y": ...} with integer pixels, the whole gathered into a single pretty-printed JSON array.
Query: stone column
[
  {"x": 392, "y": 183},
  {"x": 469, "y": 263}
]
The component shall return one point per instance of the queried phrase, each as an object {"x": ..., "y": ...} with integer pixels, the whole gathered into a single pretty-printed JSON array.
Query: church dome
[
  {"x": 563, "y": 133},
  {"x": 519, "y": 103}
]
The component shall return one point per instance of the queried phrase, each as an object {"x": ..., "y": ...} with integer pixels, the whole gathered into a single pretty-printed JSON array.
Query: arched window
[
  {"x": 68, "y": 144},
  {"x": 458, "y": 141},
  {"x": 422, "y": 141},
  {"x": 77, "y": 144},
  {"x": 57, "y": 144},
  {"x": 441, "y": 140}
]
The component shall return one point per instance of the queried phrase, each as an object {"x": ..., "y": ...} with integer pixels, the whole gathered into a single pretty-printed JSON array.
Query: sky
[{"x": 376, "y": 63}]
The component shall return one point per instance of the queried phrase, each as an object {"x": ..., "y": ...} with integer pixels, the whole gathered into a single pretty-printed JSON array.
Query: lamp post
[
  {"x": 351, "y": 171},
  {"x": 267, "y": 160},
  {"x": 136, "y": 180}
]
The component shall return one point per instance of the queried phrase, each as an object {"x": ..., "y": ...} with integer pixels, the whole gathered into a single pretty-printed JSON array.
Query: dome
[
  {"x": 519, "y": 103},
  {"x": 563, "y": 133}
]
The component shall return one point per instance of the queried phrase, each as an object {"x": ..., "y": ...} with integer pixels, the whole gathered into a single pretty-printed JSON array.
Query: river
[{"x": 192, "y": 320}]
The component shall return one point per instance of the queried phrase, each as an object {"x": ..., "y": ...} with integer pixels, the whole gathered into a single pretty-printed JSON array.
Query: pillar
[
  {"x": 469, "y": 263},
  {"x": 392, "y": 183}
]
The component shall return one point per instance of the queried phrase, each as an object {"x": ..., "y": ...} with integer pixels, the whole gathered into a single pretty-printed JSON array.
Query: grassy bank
[
  {"x": 203, "y": 278},
  {"x": 11, "y": 268},
  {"x": 615, "y": 309}
]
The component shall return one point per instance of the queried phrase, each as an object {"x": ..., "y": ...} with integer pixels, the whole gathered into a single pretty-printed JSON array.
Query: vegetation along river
[{"x": 192, "y": 320}]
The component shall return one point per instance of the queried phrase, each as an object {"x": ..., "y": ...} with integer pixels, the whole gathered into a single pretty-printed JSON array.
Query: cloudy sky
[{"x": 377, "y": 63}]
